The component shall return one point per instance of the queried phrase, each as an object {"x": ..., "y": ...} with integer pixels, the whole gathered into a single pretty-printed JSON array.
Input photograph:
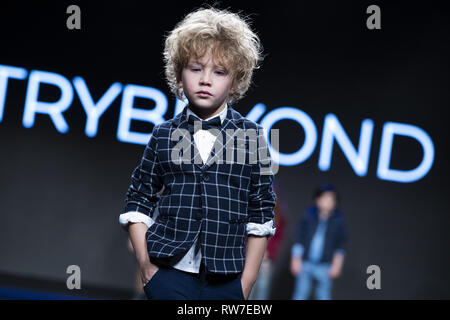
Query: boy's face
[
  {"x": 203, "y": 74},
  {"x": 326, "y": 201}
]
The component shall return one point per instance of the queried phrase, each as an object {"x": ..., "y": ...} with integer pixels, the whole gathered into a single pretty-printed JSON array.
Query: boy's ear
[{"x": 233, "y": 87}]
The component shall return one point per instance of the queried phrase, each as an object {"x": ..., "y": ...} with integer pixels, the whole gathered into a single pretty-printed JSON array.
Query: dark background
[{"x": 61, "y": 194}]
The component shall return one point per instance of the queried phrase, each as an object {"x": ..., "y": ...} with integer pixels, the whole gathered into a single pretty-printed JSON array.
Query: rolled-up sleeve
[
  {"x": 297, "y": 250},
  {"x": 258, "y": 229},
  {"x": 146, "y": 181},
  {"x": 133, "y": 217},
  {"x": 262, "y": 198}
]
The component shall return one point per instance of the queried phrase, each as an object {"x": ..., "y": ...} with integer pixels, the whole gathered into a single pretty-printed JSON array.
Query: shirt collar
[{"x": 222, "y": 114}]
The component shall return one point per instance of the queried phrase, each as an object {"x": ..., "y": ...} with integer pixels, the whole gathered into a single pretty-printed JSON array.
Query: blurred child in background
[{"x": 319, "y": 246}]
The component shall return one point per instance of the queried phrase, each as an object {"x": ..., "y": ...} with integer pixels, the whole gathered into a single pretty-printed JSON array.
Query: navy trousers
[{"x": 171, "y": 284}]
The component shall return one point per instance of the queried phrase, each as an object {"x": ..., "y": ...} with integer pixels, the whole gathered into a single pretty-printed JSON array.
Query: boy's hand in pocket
[{"x": 147, "y": 271}]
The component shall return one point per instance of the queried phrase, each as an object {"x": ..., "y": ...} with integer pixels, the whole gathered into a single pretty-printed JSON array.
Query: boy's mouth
[{"x": 203, "y": 93}]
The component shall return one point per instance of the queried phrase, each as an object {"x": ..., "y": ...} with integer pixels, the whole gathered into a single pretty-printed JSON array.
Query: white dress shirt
[{"x": 190, "y": 262}]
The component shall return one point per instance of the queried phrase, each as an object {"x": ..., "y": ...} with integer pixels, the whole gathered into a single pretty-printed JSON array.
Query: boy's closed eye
[{"x": 219, "y": 71}]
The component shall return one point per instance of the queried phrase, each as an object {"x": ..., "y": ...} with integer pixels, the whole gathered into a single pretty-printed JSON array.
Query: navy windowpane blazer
[{"x": 209, "y": 201}]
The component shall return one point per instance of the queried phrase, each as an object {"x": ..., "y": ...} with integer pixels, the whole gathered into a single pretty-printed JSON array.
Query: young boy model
[{"x": 195, "y": 248}]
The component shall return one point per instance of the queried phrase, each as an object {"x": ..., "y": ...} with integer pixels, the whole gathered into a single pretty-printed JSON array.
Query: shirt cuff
[
  {"x": 259, "y": 229},
  {"x": 339, "y": 251},
  {"x": 297, "y": 250},
  {"x": 134, "y": 216}
]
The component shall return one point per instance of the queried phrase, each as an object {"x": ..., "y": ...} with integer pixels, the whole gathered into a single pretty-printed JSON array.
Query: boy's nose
[{"x": 205, "y": 78}]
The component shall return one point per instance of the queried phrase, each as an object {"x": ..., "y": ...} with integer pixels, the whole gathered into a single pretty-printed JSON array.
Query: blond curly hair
[{"x": 233, "y": 44}]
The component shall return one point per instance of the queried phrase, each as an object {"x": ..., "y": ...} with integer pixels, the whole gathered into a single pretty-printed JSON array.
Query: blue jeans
[
  {"x": 310, "y": 271},
  {"x": 171, "y": 284}
]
